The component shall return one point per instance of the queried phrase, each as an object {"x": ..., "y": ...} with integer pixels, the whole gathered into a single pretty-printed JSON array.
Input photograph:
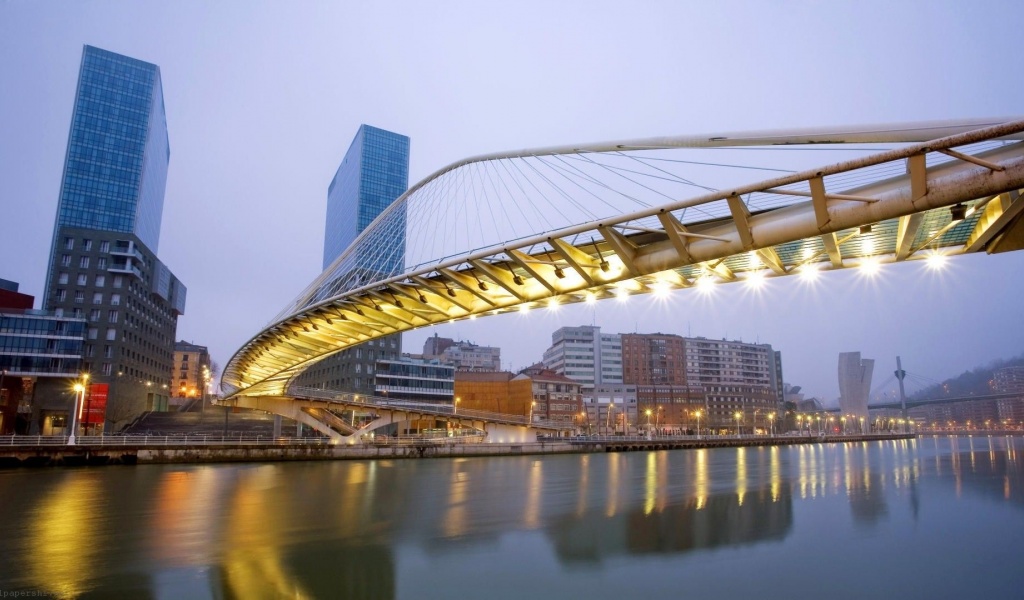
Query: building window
[
  {"x": 69, "y": 243},
  {"x": 101, "y": 280},
  {"x": 112, "y": 316},
  {"x": 65, "y": 260},
  {"x": 107, "y": 368},
  {"x": 104, "y": 246},
  {"x": 111, "y": 334},
  {"x": 97, "y": 298},
  {"x": 115, "y": 299},
  {"x": 62, "y": 279},
  {"x": 108, "y": 352},
  {"x": 87, "y": 245},
  {"x": 93, "y": 332},
  {"x": 117, "y": 281},
  {"x": 79, "y": 296},
  {"x": 82, "y": 279},
  {"x": 76, "y": 313},
  {"x": 88, "y": 349},
  {"x": 61, "y": 295},
  {"x": 101, "y": 263},
  {"x": 58, "y": 312},
  {"x": 94, "y": 315}
]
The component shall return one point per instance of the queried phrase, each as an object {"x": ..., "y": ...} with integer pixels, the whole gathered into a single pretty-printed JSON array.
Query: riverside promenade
[{"x": 45, "y": 451}]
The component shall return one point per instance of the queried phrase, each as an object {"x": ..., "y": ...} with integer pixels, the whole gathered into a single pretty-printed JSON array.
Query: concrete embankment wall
[{"x": 16, "y": 456}]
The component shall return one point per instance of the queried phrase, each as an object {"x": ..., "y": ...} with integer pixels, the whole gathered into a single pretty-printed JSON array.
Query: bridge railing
[
  {"x": 449, "y": 410},
  {"x": 16, "y": 441}
]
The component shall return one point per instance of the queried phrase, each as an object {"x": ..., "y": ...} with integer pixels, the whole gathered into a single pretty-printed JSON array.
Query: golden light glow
[
  {"x": 553, "y": 303},
  {"x": 870, "y": 267},
  {"x": 705, "y": 284},
  {"x": 661, "y": 289},
  {"x": 809, "y": 272},
  {"x": 936, "y": 261},
  {"x": 755, "y": 279},
  {"x": 622, "y": 294},
  {"x": 524, "y": 308},
  {"x": 590, "y": 298}
]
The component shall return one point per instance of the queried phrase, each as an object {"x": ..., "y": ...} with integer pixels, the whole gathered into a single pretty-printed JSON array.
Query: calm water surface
[{"x": 939, "y": 517}]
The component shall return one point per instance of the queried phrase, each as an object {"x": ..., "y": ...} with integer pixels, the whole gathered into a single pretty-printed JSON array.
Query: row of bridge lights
[{"x": 706, "y": 283}]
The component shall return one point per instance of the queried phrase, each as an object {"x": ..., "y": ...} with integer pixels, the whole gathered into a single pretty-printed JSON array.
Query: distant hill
[{"x": 976, "y": 382}]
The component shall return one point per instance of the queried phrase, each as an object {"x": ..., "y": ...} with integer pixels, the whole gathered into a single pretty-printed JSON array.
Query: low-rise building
[
  {"x": 497, "y": 391},
  {"x": 416, "y": 379},
  {"x": 555, "y": 397},
  {"x": 40, "y": 361}
]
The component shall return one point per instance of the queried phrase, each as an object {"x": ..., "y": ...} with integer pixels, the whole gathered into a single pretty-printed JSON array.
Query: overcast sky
[{"x": 263, "y": 99}]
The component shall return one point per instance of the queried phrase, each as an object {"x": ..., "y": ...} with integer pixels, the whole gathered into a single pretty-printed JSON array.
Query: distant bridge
[{"x": 934, "y": 401}]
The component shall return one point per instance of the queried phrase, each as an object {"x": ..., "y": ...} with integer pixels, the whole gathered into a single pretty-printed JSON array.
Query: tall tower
[
  {"x": 854, "y": 387},
  {"x": 373, "y": 174},
  {"x": 103, "y": 263}
]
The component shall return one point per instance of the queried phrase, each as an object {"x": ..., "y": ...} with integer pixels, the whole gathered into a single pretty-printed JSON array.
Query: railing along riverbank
[{"x": 24, "y": 450}]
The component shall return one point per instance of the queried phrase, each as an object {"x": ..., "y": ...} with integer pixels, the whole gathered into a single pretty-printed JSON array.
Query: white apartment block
[{"x": 585, "y": 355}]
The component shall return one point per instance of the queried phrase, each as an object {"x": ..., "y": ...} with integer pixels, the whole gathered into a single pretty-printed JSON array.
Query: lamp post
[
  {"x": 800, "y": 424},
  {"x": 862, "y": 425},
  {"x": 771, "y": 422},
  {"x": 648, "y": 413},
  {"x": 608, "y": 420},
  {"x": 738, "y": 416},
  {"x": 533, "y": 404},
  {"x": 455, "y": 407},
  {"x": 87, "y": 395},
  {"x": 79, "y": 396},
  {"x": 697, "y": 414}
]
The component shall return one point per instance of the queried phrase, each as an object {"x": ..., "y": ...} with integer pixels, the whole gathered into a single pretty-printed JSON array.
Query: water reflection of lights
[
  {"x": 581, "y": 502},
  {"x": 776, "y": 473},
  {"x": 253, "y": 564},
  {"x": 741, "y": 474},
  {"x": 65, "y": 539},
  {"x": 702, "y": 478},
  {"x": 613, "y": 484},
  {"x": 453, "y": 523},
  {"x": 531, "y": 516},
  {"x": 650, "y": 483}
]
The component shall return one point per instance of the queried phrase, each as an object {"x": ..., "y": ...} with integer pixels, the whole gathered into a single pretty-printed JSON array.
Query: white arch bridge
[{"x": 535, "y": 228}]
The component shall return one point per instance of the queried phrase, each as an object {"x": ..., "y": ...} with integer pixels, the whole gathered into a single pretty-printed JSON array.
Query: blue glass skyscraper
[
  {"x": 116, "y": 165},
  {"x": 103, "y": 262},
  {"x": 374, "y": 172}
]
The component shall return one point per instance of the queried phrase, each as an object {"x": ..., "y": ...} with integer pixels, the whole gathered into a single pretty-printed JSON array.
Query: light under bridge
[
  {"x": 319, "y": 409},
  {"x": 949, "y": 188}
]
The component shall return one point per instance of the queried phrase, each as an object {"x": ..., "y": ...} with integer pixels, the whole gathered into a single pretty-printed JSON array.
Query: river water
[{"x": 939, "y": 517}]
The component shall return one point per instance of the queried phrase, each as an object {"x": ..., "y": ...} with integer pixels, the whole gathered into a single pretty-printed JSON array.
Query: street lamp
[
  {"x": 862, "y": 425},
  {"x": 79, "y": 397},
  {"x": 771, "y": 422},
  {"x": 696, "y": 413},
  {"x": 608, "y": 420},
  {"x": 455, "y": 407},
  {"x": 648, "y": 413},
  {"x": 533, "y": 404},
  {"x": 738, "y": 416}
]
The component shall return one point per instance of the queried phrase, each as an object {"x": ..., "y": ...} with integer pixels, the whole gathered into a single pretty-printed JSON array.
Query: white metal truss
[{"x": 890, "y": 206}]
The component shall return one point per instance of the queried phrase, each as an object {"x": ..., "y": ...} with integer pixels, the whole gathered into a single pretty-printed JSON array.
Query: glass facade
[
  {"x": 38, "y": 343},
  {"x": 374, "y": 172},
  {"x": 116, "y": 165}
]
